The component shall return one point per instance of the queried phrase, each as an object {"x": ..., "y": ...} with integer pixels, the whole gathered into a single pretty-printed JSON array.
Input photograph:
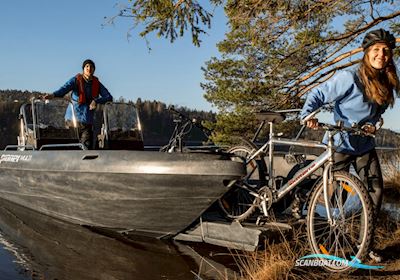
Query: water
[
  {"x": 12, "y": 267},
  {"x": 39, "y": 247}
]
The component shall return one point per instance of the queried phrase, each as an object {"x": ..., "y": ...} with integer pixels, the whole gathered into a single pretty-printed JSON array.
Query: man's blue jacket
[{"x": 82, "y": 112}]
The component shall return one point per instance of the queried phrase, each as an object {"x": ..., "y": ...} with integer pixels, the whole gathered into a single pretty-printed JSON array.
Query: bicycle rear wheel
[
  {"x": 238, "y": 204},
  {"x": 352, "y": 213}
]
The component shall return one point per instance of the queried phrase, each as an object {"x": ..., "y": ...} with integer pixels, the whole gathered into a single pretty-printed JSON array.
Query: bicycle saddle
[{"x": 270, "y": 116}]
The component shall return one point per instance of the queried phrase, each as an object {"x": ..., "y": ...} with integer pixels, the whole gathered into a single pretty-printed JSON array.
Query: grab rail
[
  {"x": 79, "y": 145},
  {"x": 18, "y": 147}
]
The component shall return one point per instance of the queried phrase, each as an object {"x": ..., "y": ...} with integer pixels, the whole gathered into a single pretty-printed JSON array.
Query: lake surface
[{"x": 35, "y": 246}]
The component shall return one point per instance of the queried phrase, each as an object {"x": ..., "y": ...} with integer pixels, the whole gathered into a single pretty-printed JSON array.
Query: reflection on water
[
  {"x": 57, "y": 250},
  {"x": 12, "y": 266}
]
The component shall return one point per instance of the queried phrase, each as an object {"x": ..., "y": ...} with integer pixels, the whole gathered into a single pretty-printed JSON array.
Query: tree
[{"x": 276, "y": 51}]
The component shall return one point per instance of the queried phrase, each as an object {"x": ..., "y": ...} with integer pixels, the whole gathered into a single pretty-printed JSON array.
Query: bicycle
[
  {"x": 338, "y": 209},
  {"x": 183, "y": 126}
]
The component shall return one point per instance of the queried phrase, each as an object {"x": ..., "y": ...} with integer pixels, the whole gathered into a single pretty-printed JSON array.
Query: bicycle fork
[{"x": 328, "y": 180}]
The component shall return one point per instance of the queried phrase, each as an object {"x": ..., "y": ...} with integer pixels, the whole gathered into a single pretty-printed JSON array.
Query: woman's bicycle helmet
[{"x": 379, "y": 36}]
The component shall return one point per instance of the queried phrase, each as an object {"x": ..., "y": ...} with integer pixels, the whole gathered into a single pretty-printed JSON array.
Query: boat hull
[{"x": 145, "y": 191}]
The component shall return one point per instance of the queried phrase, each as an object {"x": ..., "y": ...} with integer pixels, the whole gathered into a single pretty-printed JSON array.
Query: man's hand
[{"x": 92, "y": 105}]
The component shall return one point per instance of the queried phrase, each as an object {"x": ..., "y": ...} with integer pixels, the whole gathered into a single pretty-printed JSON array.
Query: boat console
[{"x": 116, "y": 126}]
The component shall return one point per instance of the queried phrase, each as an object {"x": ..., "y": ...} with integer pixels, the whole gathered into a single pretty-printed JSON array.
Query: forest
[{"x": 157, "y": 122}]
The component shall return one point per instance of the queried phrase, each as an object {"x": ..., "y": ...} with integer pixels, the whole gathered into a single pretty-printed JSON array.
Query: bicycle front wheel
[{"x": 346, "y": 240}]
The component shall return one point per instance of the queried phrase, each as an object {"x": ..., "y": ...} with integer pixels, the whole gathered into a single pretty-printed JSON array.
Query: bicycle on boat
[
  {"x": 183, "y": 126},
  {"x": 338, "y": 209}
]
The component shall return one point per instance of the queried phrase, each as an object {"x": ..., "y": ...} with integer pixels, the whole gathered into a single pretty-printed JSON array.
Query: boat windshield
[
  {"x": 50, "y": 123},
  {"x": 116, "y": 125},
  {"x": 121, "y": 117},
  {"x": 121, "y": 127},
  {"x": 51, "y": 114}
]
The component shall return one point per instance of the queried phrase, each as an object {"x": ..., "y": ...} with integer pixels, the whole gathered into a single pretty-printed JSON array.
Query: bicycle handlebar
[
  {"x": 172, "y": 109},
  {"x": 356, "y": 130},
  {"x": 311, "y": 116},
  {"x": 187, "y": 119}
]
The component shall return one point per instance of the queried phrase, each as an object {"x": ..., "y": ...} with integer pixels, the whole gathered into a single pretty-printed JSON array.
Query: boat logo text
[{"x": 15, "y": 158}]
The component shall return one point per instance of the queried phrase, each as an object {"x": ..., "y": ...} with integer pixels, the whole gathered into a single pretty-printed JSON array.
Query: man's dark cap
[{"x": 88, "y": 61}]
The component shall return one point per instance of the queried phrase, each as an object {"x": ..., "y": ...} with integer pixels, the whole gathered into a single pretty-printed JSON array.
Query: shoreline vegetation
[{"x": 158, "y": 123}]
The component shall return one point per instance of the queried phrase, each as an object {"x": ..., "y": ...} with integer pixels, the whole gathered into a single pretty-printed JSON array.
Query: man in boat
[{"x": 87, "y": 91}]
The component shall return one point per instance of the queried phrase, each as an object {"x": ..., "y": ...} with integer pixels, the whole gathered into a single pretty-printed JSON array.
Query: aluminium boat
[{"x": 117, "y": 185}]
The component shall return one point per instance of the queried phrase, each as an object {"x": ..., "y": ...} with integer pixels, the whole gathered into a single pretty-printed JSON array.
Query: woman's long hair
[{"x": 379, "y": 84}]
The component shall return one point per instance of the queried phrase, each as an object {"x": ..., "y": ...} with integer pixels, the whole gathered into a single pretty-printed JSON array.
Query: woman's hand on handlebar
[
  {"x": 47, "y": 96},
  {"x": 312, "y": 123},
  {"x": 369, "y": 128}
]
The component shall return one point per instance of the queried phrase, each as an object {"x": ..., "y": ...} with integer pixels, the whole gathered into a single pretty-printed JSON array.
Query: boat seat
[
  {"x": 56, "y": 136},
  {"x": 270, "y": 116},
  {"x": 119, "y": 143},
  {"x": 57, "y": 133},
  {"x": 119, "y": 139}
]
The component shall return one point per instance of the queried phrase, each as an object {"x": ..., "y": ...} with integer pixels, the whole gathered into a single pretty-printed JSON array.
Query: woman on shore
[{"x": 360, "y": 97}]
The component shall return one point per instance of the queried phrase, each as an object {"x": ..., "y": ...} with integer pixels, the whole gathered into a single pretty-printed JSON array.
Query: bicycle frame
[{"x": 325, "y": 160}]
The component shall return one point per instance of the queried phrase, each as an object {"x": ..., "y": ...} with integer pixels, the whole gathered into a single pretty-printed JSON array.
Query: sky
[{"x": 43, "y": 44}]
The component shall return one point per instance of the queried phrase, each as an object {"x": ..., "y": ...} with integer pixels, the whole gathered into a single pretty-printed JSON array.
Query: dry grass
[
  {"x": 387, "y": 231},
  {"x": 277, "y": 260}
]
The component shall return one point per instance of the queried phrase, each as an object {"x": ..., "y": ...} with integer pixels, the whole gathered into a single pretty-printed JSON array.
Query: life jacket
[{"x": 81, "y": 88}]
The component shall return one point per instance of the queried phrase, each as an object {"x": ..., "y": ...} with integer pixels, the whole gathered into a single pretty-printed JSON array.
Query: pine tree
[{"x": 276, "y": 51}]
